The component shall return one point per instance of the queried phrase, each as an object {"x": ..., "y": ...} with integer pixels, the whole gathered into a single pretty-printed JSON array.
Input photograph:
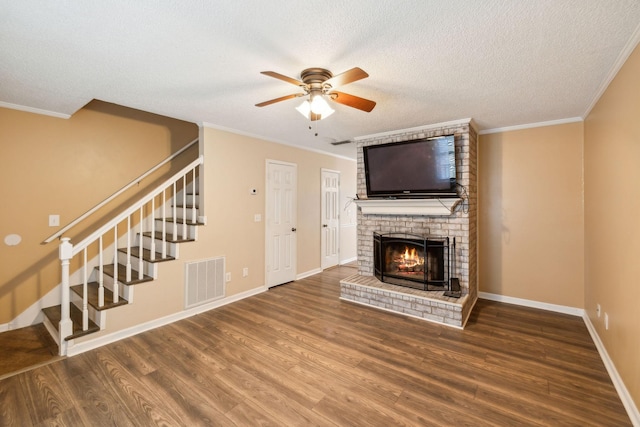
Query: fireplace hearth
[{"x": 410, "y": 260}]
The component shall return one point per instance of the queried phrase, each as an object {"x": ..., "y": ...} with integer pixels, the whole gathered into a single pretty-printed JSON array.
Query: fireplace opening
[{"x": 413, "y": 261}]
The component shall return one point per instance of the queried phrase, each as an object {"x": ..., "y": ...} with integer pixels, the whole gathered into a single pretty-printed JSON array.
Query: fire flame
[{"x": 410, "y": 257}]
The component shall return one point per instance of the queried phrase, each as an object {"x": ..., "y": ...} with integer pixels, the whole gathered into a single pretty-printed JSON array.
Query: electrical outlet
[
  {"x": 228, "y": 277},
  {"x": 606, "y": 321},
  {"x": 598, "y": 310},
  {"x": 245, "y": 272}
]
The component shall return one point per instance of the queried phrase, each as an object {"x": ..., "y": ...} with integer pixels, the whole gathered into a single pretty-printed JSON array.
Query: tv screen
[{"x": 418, "y": 168}]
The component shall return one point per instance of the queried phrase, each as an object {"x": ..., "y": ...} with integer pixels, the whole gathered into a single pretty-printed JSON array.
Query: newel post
[{"x": 65, "y": 328}]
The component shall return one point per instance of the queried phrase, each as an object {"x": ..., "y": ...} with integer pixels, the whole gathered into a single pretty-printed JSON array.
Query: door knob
[
  {"x": 324, "y": 225},
  {"x": 293, "y": 229}
]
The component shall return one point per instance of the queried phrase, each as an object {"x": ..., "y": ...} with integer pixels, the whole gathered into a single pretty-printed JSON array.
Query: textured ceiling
[{"x": 503, "y": 63}]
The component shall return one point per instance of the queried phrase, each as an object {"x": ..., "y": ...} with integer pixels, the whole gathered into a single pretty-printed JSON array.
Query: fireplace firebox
[{"x": 413, "y": 261}]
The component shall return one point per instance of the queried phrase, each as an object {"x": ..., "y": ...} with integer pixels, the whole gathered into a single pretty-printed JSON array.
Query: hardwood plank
[
  {"x": 27, "y": 347},
  {"x": 298, "y": 355}
]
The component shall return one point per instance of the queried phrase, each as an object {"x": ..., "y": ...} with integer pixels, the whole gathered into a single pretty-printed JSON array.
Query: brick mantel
[{"x": 429, "y": 217}]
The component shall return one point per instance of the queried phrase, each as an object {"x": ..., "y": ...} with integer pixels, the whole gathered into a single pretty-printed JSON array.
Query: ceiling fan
[{"x": 318, "y": 83}]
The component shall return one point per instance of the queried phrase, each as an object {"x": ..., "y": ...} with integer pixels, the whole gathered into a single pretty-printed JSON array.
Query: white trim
[
  {"x": 625, "y": 396},
  {"x": 308, "y": 273},
  {"x": 348, "y": 260},
  {"x": 34, "y": 110},
  {"x": 623, "y": 393},
  {"x": 276, "y": 141},
  {"x": 435, "y": 206},
  {"x": 620, "y": 61},
  {"x": 452, "y": 123},
  {"x": 532, "y": 125},
  {"x": 533, "y": 304},
  {"x": 4, "y": 327},
  {"x": 77, "y": 348}
]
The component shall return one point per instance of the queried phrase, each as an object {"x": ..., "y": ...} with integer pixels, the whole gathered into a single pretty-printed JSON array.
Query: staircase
[{"x": 123, "y": 253}]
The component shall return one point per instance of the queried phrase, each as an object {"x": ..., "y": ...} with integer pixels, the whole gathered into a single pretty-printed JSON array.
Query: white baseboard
[
  {"x": 347, "y": 261},
  {"x": 77, "y": 348},
  {"x": 625, "y": 397},
  {"x": 308, "y": 273},
  {"x": 627, "y": 400},
  {"x": 533, "y": 304},
  {"x": 4, "y": 327}
]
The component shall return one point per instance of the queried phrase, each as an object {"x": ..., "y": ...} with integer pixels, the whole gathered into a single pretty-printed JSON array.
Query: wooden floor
[
  {"x": 22, "y": 349},
  {"x": 298, "y": 356}
]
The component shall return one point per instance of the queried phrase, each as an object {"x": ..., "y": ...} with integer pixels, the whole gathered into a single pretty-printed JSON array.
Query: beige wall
[
  {"x": 530, "y": 220},
  {"x": 612, "y": 224},
  {"x": 234, "y": 165},
  {"x": 56, "y": 166}
]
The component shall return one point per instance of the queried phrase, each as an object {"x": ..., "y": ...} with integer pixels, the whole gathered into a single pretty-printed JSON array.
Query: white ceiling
[{"x": 501, "y": 62}]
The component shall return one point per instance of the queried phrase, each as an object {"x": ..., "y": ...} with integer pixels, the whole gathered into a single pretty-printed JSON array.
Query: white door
[
  {"x": 280, "y": 222},
  {"x": 330, "y": 218}
]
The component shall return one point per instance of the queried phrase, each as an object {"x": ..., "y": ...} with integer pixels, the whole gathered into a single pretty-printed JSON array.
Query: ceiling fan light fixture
[
  {"x": 318, "y": 83},
  {"x": 318, "y": 106},
  {"x": 304, "y": 108}
]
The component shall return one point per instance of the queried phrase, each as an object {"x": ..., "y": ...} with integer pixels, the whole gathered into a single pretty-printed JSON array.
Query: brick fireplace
[{"x": 436, "y": 219}]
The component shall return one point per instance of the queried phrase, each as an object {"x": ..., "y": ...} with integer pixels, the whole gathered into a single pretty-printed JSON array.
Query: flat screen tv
[{"x": 412, "y": 169}]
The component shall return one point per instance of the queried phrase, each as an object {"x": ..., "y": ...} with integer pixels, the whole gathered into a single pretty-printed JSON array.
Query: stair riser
[
  {"x": 148, "y": 268},
  {"x": 98, "y": 317},
  {"x": 191, "y": 199},
  {"x": 172, "y": 248},
  {"x": 125, "y": 291},
  {"x": 192, "y": 230},
  {"x": 180, "y": 214},
  {"x": 52, "y": 329}
]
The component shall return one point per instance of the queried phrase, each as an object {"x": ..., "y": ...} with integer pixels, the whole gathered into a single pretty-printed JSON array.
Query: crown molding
[
  {"x": 532, "y": 125},
  {"x": 34, "y": 110}
]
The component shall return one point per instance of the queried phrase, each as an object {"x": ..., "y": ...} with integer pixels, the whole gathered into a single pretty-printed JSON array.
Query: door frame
[
  {"x": 322, "y": 205},
  {"x": 267, "y": 219}
]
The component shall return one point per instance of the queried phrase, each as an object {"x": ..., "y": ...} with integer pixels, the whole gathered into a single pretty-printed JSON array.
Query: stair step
[
  {"x": 189, "y": 222},
  {"x": 92, "y": 296},
  {"x": 54, "y": 314},
  {"x": 169, "y": 237},
  {"x": 146, "y": 254},
  {"x": 122, "y": 275}
]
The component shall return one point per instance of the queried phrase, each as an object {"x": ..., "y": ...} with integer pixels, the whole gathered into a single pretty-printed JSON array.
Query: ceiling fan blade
[
  {"x": 283, "y": 78},
  {"x": 352, "y": 101},
  {"x": 348, "y": 76},
  {"x": 282, "y": 98}
]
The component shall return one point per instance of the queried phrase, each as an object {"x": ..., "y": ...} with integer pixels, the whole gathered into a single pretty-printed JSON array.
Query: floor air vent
[{"x": 204, "y": 281}]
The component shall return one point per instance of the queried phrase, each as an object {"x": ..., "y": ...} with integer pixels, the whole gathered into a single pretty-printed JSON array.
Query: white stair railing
[{"x": 168, "y": 191}]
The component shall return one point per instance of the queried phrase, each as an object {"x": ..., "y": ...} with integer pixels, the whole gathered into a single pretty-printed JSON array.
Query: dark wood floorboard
[
  {"x": 299, "y": 356},
  {"x": 24, "y": 348}
]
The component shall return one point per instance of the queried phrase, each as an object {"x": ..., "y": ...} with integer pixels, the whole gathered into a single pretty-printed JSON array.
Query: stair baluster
[
  {"x": 101, "y": 275},
  {"x": 128, "y": 270},
  {"x": 184, "y": 206},
  {"x": 194, "y": 218},
  {"x": 152, "y": 246},
  {"x": 115, "y": 264},
  {"x": 164, "y": 223},
  {"x": 140, "y": 245},
  {"x": 175, "y": 214},
  {"x": 85, "y": 281},
  {"x": 75, "y": 317}
]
